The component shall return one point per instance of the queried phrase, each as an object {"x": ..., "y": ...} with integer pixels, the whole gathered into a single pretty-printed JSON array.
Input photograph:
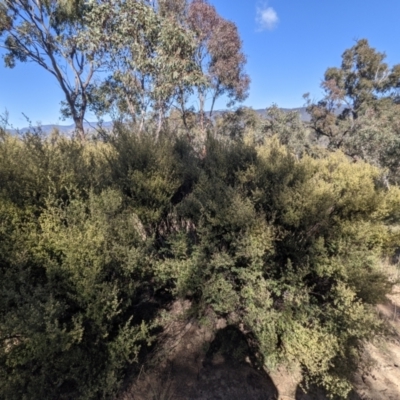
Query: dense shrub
[
  {"x": 286, "y": 248},
  {"x": 69, "y": 281}
]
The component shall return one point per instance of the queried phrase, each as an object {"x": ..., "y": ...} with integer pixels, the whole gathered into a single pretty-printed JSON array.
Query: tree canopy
[
  {"x": 360, "y": 111},
  {"x": 52, "y": 34},
  {"x": 136, "y": 57},
  {"x": 218, "y": 54}
]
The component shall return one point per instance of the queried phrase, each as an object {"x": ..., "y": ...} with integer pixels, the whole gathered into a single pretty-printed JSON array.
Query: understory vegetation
[
  {"x": 275, "y": 225},
  {"x": 97, "y": 238}
]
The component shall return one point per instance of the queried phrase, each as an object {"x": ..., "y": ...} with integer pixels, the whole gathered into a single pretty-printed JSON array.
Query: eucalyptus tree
[
  {"x": 218, "y": 55},
  {"x": 150, "y": 56},
  {"x": 360, "y": 112},
  {"x": 155, "y": 53},
  {"x": 162, "y": 52},
  {"x": 51, "y": 34}
]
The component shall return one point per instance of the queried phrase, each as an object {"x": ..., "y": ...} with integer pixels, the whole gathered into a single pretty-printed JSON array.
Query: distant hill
[
  {"x": 65, "y": 129},
  {"x": 69, "y": 129},
  {"x": 304, "y": 115}
]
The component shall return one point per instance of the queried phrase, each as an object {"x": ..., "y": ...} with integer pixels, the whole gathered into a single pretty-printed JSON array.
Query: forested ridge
[{"x": 276, "y": 225}]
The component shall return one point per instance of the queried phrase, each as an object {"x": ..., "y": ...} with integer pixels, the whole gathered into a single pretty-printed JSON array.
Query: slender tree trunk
[
  {"x": 203, "y": 151},
  {"x": 160, "y": 120},
  {"x": 216, "y": 94},
  {"x": 201, "y": 100},
  {"x": 141, "y": 125},
  {"x": 181, "y": 102},
  {"x": 212, "y": 106}
]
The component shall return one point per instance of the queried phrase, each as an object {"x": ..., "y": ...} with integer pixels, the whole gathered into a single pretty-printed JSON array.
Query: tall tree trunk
[
  {"x": 181, "y": 102},
  {"x": 202, "y": 101},
  {"x": 216, "y": 94},
  {"x": 160, "y": 119},
  {"x": 79, "y": 129}
]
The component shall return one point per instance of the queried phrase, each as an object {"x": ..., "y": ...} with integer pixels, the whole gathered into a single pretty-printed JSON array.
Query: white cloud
[{"x": 267, "y": 18}]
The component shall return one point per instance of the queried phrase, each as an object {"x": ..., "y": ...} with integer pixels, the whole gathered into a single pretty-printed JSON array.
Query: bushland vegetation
[
  {"x": 276, "y": 226},
  {"x": 98, "y": 237}
]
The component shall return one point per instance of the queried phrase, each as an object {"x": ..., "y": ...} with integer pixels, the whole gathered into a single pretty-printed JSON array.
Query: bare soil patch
[{"x": 193, "y": 364}]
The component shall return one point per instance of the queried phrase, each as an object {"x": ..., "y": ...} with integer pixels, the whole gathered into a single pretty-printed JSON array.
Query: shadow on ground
[
  {"x": 319, "y": 394},
  {"x": 198, "y": 366},
  {"x": 191, "y": 362}
]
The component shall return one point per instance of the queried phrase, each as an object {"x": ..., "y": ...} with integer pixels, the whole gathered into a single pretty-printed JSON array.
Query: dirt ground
[
  {"x": 193, "y": 365},
  {"x": 382, "y": 382}
]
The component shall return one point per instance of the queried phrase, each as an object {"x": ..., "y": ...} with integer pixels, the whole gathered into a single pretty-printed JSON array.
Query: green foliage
[
  {"x": 96, "y": 238},
  {"x": 240, "y": 123},
  {"x": 69, "y": 284},
  {"x": 360, "y": 112},
  {"x": 148, "y": 173},
  {"x": 254, "y": 128},
  {"x": 129, "y": 58},
  {"x": 33, "y": 168},
  {"x": 149, "y": 55},
  {"x": 218, "y": 55},
  {"x": 290, "y": 249},
  {"x": 254, "y": 223},
  {"x": 52, "y": 34},
  {"x": 288, "y": 128}
]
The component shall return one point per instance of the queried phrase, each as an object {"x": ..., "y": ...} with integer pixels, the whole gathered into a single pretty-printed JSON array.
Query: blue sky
[{"x": 288, "y": 44}]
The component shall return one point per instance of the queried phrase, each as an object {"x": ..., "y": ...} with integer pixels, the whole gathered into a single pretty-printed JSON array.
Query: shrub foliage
[{"x": 93, "y": 235}]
